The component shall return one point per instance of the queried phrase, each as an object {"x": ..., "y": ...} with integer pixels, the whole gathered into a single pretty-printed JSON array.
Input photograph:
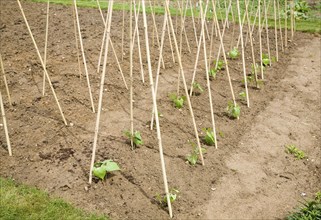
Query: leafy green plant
[
  {"x": 162, "y": 198},
  {"x": 219, "y": 65},
  {"x": 192, "y": 158},
  {"x": 233, "y": 111},
  {"x": 100, "y": 169},
  {"x": 209, "y": 136},
  {"x": 177, "y": 100},
  {"x": 292, "y": 149},
  {"x": 198, "y": 87},
  {"x": 136, "y": 137},
  {"x": 234, "y": 53},
  {"x": 242, "y": 95},
  {"x": 265, "y": 59},
  {"x": 311, "y": 209},
  {"x": 212, "y": 73}
]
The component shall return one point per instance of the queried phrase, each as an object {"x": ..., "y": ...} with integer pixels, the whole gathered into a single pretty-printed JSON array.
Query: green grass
[
  {"x": 310, "y": 210},
  {"x": 23, "y": 203},
  {"x": 312, "y": 25}
]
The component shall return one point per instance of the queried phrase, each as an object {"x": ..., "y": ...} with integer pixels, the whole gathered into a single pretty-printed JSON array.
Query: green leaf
[
  {"x": 218, "y": 65},
  {"x": 209, "y": 137},
  {"x": 137, "y": 138},
  {"x": 198, "y": 86},
  {"x": 192, "y": 158},
  {"x": 212, "y": 73},
  {"x": 233, "y": 111},
  {"x": 110, "y": 166},
  {"x": 242, "y": 95},
  {"x": 179, "y": 102},
  {"x": 100, "y": 172},
  {"x": 234, "y": 53}
]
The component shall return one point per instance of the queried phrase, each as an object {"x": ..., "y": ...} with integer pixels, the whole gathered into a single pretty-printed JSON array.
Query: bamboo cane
[
  {"x": 5, "y": 80},
  {"x": 220, "y": 11},
  {"x": 101, "y": 91},
  {"x": 170, "y": 42},
  {"x": 123, "y": 34},
  {"x": 84, "y": 57},
  {"x": 184, "y": 29},
  {"x": 76, "y": 39},
  {"x": 223, "y": 32},
  {"x": 243, "y": 21},
  {"x": 227, "y": 13},
  {"x": 42, "y": 63},
  {"x": 100, "y": 11},
  {"x": 249, "y": 14},
  {"x": 165, "y": 24},
  {"x": 156, "y": 32},
  {"x": 224, "y": 56},
  {"x": 185, "y": 86},
  {"x": 267, "y": 31},
  {"x": 45, "y": 53},
  {"x": 5, "y": 125},
  {"x": 286, "y": 24},
  {"x": 219, "y": 50},
  {"x": 266, "y": 18},
  {"x": 207, "y": 78},
  {"x": 233, "y": 30},
  {"x": 276, "y": 33},
  {"x": 102, "y": 45},
  {"x": 198, "y": 50},
  {"x": 193, "y": 21},
  {"x": 136, "y": 32},
  {"x": 156, "y": 113},
  {"x": 253, "y": 25},
  {"x": 181, "y": 30},
  {"x": 260, "y": 39},
  {"x": 243, "y": 53},
  {"x": 131, "y": 45},
  {"x": 280, "y": 27},
  {"x": 252, "y": 47},
  {"x": 118, "y": 64},
  {"x": 211, "y": 43},
  {"x": 292, "y": 19}
]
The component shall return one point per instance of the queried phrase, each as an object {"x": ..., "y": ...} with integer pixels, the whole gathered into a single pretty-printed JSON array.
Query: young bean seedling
[
  {"x": 242, "y": 95},
  {"x": 192, "y": 158},
  {"x": 177, "y": 100},
  {"x": 233, "y": 111},
  {"x": 209, "y": 136},
  {"x": 212, "y": 73},
  {"x": 292, "y": 149},
  {"x": 234, "y": 53},
  {"x": 162, "y": 198},
  {"x": 198, "y": 87},
  {"x": 136, "y": 137},
  {"x": 101, "y": 169},
  {"x": 266, "y": 60},
  {"x": 219, "y": 65}
]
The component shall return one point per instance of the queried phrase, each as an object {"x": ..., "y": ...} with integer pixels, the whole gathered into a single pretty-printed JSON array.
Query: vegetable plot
[{"x": 165, "y": 51}]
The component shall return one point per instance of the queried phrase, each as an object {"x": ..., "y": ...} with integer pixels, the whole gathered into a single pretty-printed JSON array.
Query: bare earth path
[{"x": 264, "y": 182}]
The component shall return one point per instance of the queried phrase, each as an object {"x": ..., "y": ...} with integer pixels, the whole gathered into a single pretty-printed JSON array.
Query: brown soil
[{"x": 56, "y": 158}]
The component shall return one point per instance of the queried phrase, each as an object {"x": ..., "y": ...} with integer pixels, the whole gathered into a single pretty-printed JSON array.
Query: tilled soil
[{"x": 56, "y": 158}]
